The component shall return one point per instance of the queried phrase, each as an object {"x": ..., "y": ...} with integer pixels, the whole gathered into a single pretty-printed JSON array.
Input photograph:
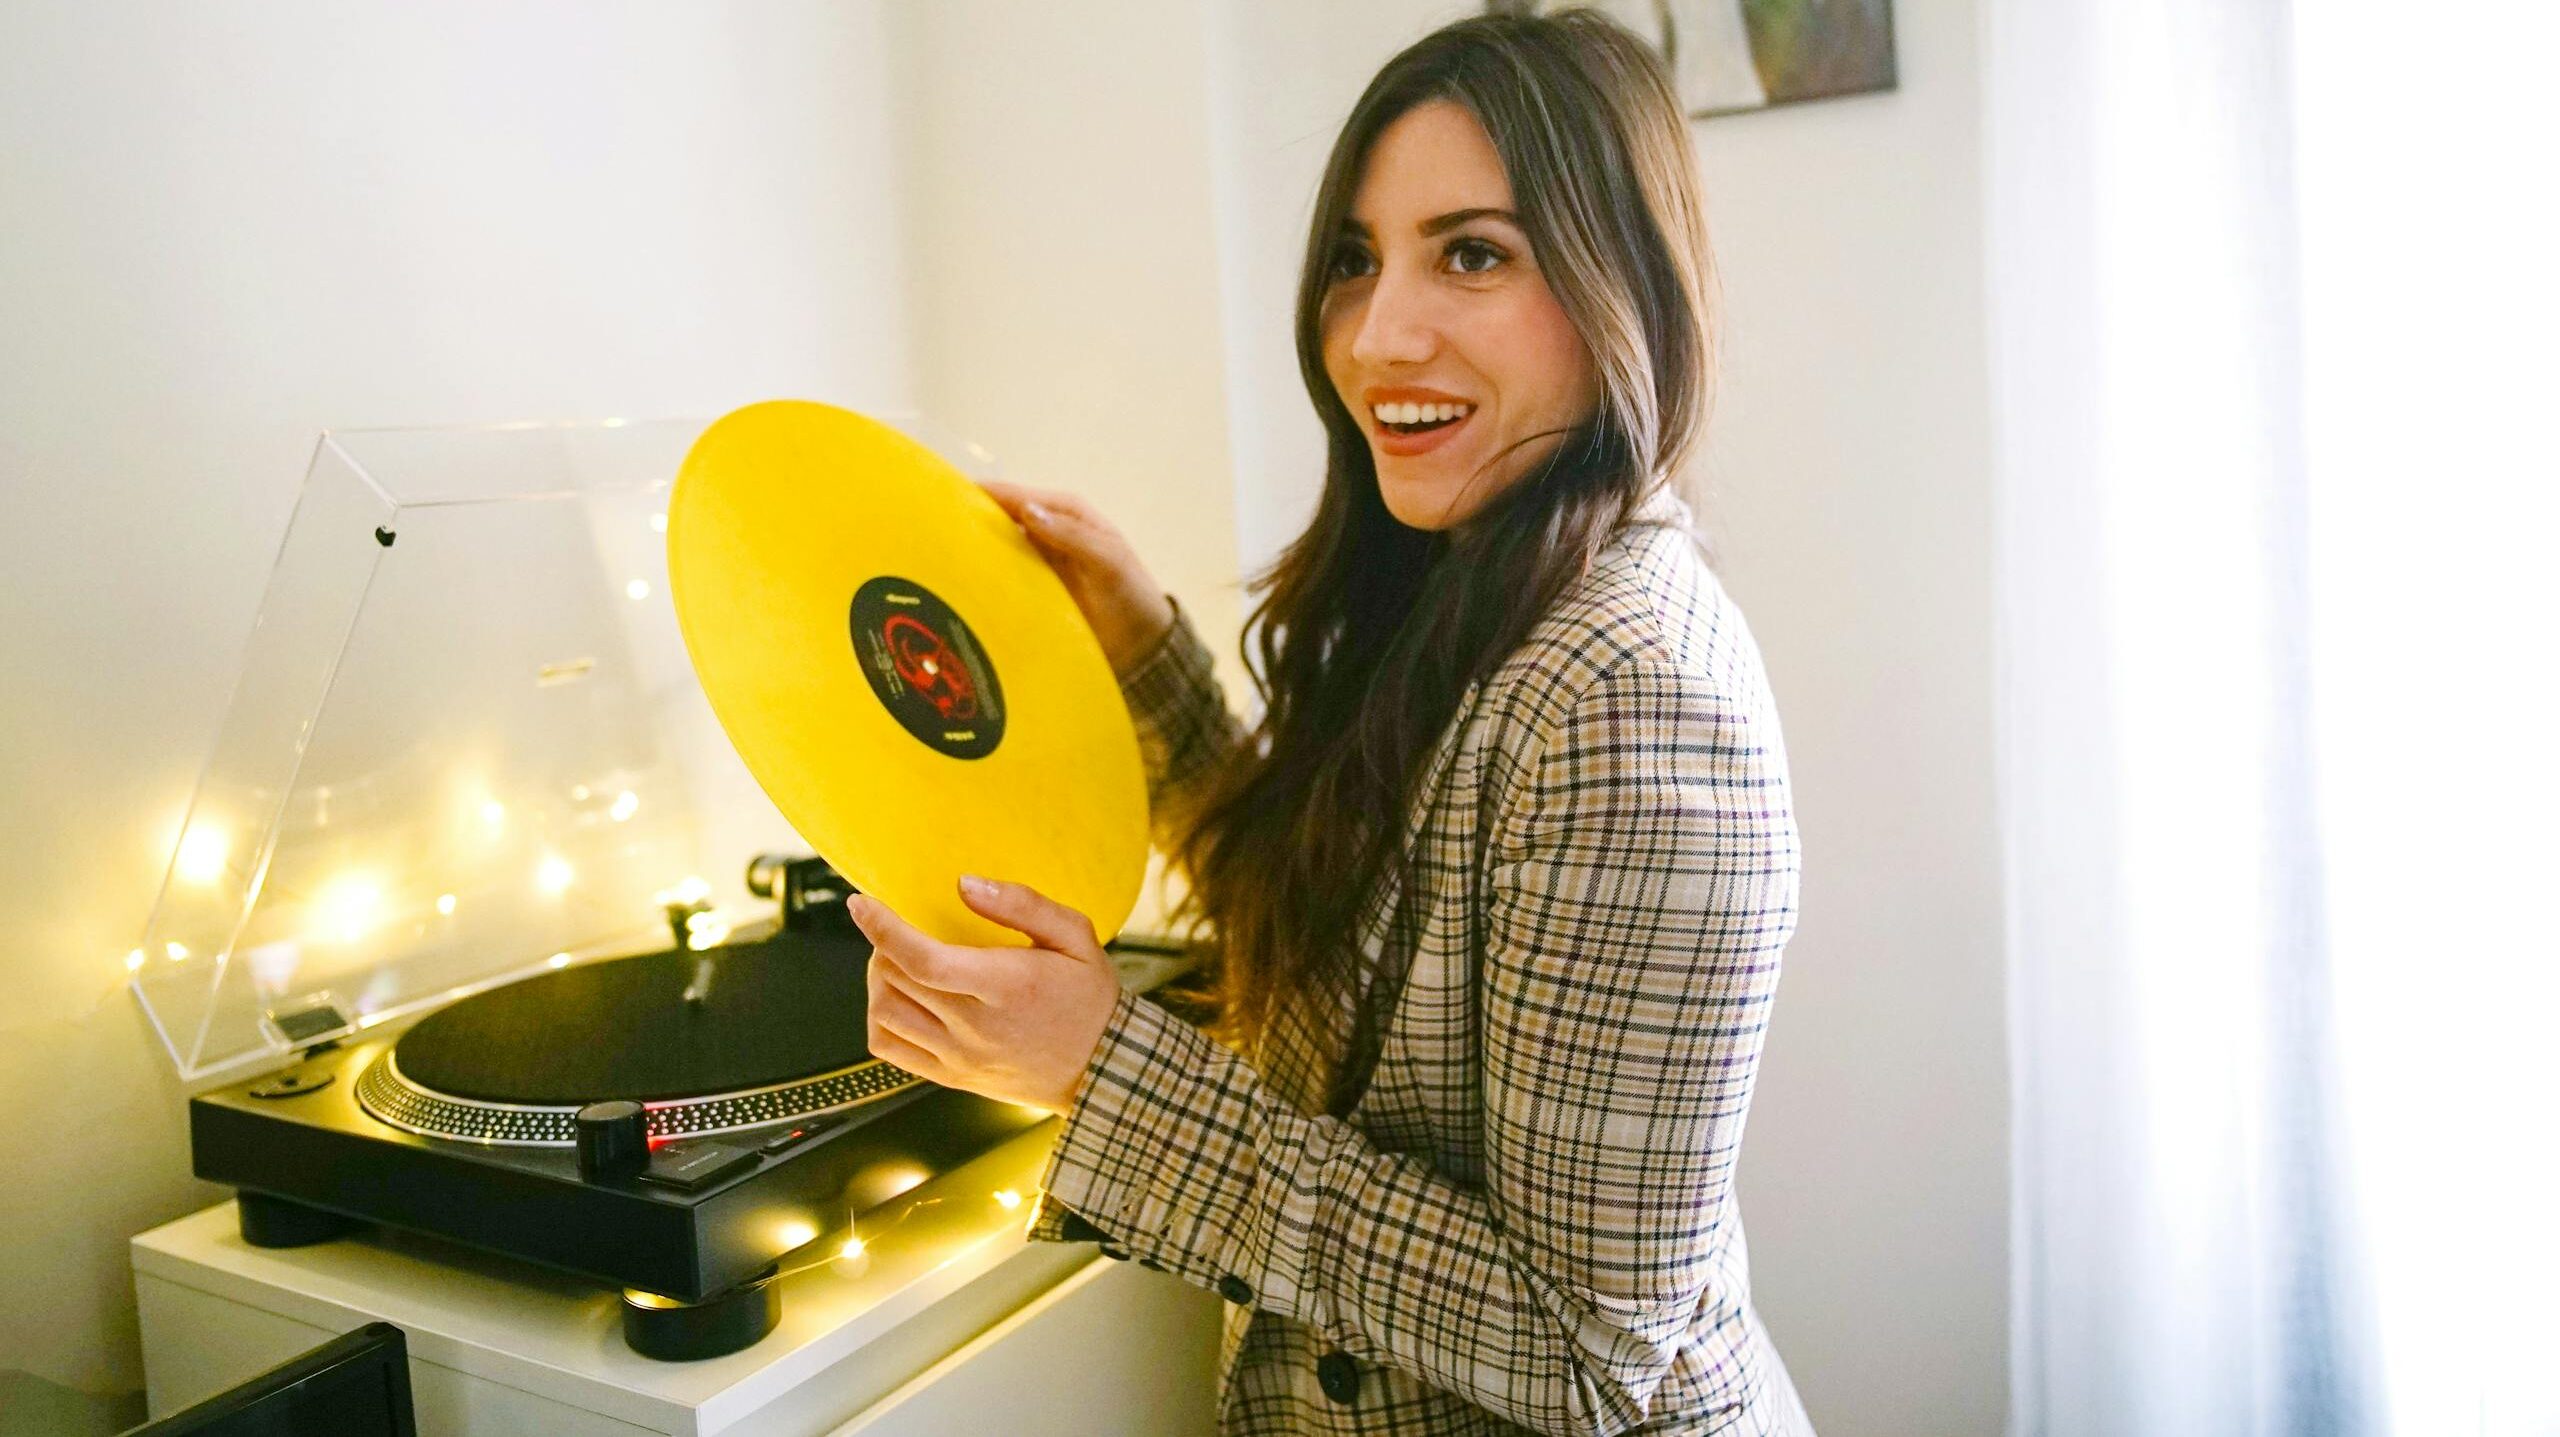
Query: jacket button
[
  {"x": 1234, "y": 1289},
  {"x": 1339, "y": 1376}
]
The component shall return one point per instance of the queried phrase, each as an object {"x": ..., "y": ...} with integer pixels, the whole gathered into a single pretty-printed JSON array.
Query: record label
[{"x": 927, "y": 668}]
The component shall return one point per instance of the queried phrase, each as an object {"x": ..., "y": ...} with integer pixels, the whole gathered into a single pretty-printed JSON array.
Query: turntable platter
[{"x": 785, "y": 1008}]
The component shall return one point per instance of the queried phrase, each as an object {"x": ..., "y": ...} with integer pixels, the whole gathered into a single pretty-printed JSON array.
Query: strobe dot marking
[{"x": 390, "y": 1096}]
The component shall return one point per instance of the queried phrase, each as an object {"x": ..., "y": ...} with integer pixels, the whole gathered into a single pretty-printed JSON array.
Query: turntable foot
[
  {"x": 278, "y": 1222},
  {"x": 673, "y": 1331}
]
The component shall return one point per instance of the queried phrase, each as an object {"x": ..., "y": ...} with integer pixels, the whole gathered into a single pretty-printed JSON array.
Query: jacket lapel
[{"x": 1384, "y": 960}]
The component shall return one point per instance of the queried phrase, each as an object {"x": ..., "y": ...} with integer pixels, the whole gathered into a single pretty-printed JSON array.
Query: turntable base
[
  {"x": 673, "y": 1331},
  {"x": 728, "y": 1183},
  {"x": 278, "y": 1222}
]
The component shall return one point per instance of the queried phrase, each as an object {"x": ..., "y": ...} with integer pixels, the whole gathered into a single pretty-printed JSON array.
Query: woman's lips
[{"x": 1405, "y": 446}]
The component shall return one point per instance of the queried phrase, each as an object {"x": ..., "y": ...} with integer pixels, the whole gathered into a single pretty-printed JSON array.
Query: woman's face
[{"x": 1440, "y": 333}]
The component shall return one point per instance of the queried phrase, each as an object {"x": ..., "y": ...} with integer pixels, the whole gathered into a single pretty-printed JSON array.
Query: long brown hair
[{"x": 1366, "y": 632}]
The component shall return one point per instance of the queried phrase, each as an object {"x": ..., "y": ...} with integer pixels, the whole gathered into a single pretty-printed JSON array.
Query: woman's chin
[
  {"x": 1418, "y": 508},
  {"x": 1427, "y": 504}
]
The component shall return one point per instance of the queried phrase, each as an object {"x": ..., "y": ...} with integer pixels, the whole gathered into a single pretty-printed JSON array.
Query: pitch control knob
[{"x": 613, "y": 1140}]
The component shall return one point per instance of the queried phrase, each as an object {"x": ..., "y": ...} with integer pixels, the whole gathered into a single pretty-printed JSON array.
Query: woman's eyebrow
[{"x": 1440, "y": 224}]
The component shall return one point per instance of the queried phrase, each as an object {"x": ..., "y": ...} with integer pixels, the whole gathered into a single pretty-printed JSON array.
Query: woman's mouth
[{"x": 1405, "y": 430}]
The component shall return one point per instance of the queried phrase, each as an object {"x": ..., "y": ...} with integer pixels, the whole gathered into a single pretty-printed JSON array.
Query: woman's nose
[{"x": 1396, "y": 326}]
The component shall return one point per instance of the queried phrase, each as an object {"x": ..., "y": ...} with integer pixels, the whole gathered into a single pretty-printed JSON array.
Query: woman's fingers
[
  {"x": 924, "y": 1014},
  {"x": 1030, "y": 506},
  {"x": 908, "y": 1013},
  {"x": 1121, "y": 602},
  {"x": 924, "y": 961},
  {"x": 1026, "y": 910},
  {"x": 889, "y": 1048},
  {"x": 1054, "y": 517}
]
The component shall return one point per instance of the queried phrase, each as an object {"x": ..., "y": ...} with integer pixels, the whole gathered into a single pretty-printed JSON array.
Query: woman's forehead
[{"x": 1433, "y": 160}]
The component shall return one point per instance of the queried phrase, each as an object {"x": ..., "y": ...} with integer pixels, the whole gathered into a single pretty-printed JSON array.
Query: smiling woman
[
  {"x": 1496, "y": 889},
  {"x": 1439, "y": 330}
]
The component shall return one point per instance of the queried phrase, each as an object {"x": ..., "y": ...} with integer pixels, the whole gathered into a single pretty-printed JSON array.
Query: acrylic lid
[{"x": 465, "y": 744}]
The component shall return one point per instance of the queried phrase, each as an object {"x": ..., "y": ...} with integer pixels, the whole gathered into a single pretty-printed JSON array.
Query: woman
[{"x": 1499, "y": 882}]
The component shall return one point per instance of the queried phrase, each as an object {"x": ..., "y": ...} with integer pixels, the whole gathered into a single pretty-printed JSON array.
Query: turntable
[{"x": 458, "y": 930}]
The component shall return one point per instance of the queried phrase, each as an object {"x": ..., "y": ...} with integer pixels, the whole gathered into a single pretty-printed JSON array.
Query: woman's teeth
[{"x": 1414, "y": 418}]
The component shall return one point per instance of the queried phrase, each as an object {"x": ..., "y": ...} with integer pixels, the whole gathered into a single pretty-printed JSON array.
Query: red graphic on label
[{"x": 930, "y": 667}]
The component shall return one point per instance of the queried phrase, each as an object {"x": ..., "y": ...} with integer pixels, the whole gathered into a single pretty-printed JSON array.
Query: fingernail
[
  {"x": 976, "y": 887},
  {"x": 860, "y": 908}
]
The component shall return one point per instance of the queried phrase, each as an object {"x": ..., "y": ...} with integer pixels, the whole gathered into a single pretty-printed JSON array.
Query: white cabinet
[
  {"x": 949, "y": 1322},
  {"x": 1114, "y": 1349}
]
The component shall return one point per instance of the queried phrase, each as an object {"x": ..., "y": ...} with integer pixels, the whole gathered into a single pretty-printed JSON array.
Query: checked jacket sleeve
[
  {"x": 1181, "y": 717},
  {"x": 1641, "y": 885}
]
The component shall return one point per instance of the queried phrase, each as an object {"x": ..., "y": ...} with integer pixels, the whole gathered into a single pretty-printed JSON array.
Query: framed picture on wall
[{"x": 1729, "y": 56}]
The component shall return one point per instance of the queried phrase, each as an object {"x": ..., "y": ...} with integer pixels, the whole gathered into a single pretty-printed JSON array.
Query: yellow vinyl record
[{"x": 901, "y": 670}]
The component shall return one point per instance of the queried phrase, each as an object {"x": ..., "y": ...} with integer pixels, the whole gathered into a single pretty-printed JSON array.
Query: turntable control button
[
  {"x": 613, "y": 1139},
  {"x": 692, "y": 1166},
  {"x": 798, "y": 1133}
]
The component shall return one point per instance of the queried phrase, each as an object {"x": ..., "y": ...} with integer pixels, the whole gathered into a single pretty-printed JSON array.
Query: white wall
[
  {"x": 1850, "y": 497},
  {"x": 1062, "y": 269},
  {"x": 223, "y": 228},
  {"x": 1850, "y": 488}
]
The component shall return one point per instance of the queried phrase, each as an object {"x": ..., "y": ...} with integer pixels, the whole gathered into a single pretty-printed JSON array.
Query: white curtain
[{"x": 2273, "y": 325}]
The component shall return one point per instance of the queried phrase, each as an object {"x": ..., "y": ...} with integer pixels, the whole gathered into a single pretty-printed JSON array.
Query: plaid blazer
[{"x": 1527, "y": 1222}]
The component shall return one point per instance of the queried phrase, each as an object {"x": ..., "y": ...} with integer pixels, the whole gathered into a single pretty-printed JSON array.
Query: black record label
[{"x": 927, "y": 668}]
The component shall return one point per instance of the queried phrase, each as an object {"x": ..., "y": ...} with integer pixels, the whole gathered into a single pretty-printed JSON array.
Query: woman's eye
[
  {"x": 1349, "y": 262},
  {"x": 1473, "y": 256}
]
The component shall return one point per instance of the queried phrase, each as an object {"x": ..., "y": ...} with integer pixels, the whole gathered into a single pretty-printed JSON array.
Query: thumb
[{"x": 1046, "y": 921}]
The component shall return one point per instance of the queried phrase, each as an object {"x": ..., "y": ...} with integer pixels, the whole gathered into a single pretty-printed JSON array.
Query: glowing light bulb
[
  {"x": 347, "y": 907},
  {"x": 625, "y": 804},
  {"x": 133, "y": 961},
  {"x": 202, "y": 852},
  {"x": 554, "y": 875},
  {"x": 852, "y": 1248},
  {"x": 638, "y": 589},
  {"x": 706, "y": 929},
  {"x": 177, "y": 952},
  {"x": 1008, "y": 1199},
  {"x": 444, "y": 904}
]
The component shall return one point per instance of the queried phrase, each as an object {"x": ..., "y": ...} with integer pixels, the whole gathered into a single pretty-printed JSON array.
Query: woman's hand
[
  {"x": 1015, "y": 1024},
  {"x": 1121, "y": 601}
]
